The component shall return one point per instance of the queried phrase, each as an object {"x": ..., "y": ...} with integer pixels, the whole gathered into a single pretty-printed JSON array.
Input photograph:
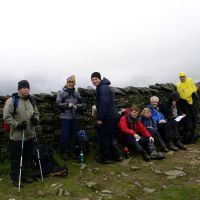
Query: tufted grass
[{"x": 118, "y": 178}]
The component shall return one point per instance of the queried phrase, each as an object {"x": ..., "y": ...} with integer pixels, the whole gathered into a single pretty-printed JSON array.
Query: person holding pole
[{"x": 21, "y": 113}]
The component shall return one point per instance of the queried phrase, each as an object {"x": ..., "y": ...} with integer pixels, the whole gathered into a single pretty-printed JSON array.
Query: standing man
[
  {"x": 188, "y": 92},
  {"x": 107, "y": 118},
  {"x": 21, "y": 113},
  {"x": 69, "y": 102}
]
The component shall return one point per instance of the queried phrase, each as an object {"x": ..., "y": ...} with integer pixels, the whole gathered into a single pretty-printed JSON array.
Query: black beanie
[
  {"x": 96, "y": 74},
  {"x": 23, "y": 84}
]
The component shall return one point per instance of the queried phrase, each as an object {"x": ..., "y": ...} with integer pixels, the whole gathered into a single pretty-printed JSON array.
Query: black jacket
[
  {"x": 105, "y": 102},
  {"x": 166, "y": 106}
]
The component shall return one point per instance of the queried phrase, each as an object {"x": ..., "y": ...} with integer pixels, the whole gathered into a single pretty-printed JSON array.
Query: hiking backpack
[
  {"x": 81, "y": 143},
  {"x": 50, "y": 166},
  {"x": 15, "y": 100}
]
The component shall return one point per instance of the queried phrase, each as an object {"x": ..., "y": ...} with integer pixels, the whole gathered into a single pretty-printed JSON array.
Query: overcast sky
[{"x": 136, "y": 42}]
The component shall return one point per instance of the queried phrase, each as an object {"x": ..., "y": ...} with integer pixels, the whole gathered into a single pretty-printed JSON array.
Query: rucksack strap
[{"x": 15, "y": 98}]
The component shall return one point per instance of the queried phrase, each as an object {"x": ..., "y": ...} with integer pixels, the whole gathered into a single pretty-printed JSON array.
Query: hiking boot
[
  {"x": 118, "y": 158},
  {"x": 64, "y": 156},
  {"x": 171, "y": 146},
  {"x": 157, "y": 155},
  {"x": 108, "y": 162},
  {"x": 146, "y": 157},
  {"x": 27, "y": 179},
  {"x": 16, "y": 183},
  {"x": 165, "y": 149},
  {"x": 180, "y": 145},
  {"x": 103, "y": 161}
]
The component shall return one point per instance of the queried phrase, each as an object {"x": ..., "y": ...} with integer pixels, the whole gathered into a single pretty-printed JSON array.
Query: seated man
[{"x": 137, "y": 136}]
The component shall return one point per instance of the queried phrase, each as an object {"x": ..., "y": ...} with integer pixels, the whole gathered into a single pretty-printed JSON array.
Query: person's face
[
  {"x": 147, "y": 114},
  {"x": 70, "y": 84},
  {"x": 154, "y": 103},
  {"x": 182, "y": 78},
  {"x": 173, "y": 103},
  {"x": 95, "y": 81},
  {"x": 24, "y": 92},
  {"x": 134, "y": 113}
]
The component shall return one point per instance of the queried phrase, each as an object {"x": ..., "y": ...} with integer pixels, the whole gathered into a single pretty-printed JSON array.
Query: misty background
[{"x": 130, "y": 42}]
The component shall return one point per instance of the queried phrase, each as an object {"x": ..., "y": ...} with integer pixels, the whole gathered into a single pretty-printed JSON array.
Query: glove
[
  {"x": 73, "y": 106},
  {"x": 151, "y": 139},
  {"x": 34, "y": 120},
  {"x": 22, "y": 125}
]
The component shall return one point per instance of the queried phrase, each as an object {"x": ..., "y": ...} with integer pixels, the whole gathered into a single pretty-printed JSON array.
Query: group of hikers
[{"x": 156, "y": 129}]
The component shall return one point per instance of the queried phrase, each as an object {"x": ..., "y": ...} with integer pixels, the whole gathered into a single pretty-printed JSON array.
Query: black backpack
[{"x": 50, "y": 166}]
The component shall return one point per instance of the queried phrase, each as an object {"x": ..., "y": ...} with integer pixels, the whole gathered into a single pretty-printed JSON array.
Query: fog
[{"x": 136, "y": 43}]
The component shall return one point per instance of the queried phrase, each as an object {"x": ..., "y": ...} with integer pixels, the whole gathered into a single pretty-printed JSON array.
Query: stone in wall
[{"x": 48, "y": 130}]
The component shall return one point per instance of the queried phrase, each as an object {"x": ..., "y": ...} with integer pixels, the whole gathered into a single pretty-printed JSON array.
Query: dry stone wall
[{"x": 48, "y": 130}]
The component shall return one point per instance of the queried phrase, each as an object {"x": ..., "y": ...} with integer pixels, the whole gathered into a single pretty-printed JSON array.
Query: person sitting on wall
[
  {"x": 167, "y": 130},
  {"x": 188, "y": 100},
  {"x": 137, "y": 136},
  {"x": 69, "y": 102},
  {"x": 148, "y": 122}
]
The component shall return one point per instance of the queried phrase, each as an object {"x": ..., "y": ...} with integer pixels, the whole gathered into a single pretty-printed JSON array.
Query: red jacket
[{"x": 126, "y": 123}]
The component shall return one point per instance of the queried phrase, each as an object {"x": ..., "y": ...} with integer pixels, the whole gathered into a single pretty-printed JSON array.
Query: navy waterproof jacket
[{"x": 105, "y": 102}]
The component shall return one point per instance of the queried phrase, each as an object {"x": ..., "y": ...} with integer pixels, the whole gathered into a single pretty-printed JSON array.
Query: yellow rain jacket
[{"x": 185, "y": 89}]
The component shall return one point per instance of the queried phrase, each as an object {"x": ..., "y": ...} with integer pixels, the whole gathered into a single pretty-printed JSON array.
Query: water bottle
[
  {"x": 82, "y": 159},
  {"x": 126, "y": 152}
]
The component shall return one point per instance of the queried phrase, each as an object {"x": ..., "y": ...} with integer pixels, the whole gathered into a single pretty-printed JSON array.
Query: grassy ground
[{"x": 131, "y": 179}]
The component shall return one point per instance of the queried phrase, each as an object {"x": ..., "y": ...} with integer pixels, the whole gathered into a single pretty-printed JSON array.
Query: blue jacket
[
  {"x": 105, "y": 102},
  {"x": 148, "y": 122},
  {"x": 156, "y": 114}
]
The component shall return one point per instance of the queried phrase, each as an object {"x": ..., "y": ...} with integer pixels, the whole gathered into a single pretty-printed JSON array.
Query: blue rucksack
[{"x": 81, "y": 143}]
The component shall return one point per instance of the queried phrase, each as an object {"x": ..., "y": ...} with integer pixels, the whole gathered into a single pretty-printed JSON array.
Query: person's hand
[
  {"x": 99, "y": 122},
  {"x": 136, "y": 136},
  {"x": 22, "y": 125},
  {"x": 34, "y": 120},
  {"x": 74, "y": 106},
  {"x": 162, "y": 121},
  {"x": 71, "y": 105},
  {"x": 151, "y": 139}
]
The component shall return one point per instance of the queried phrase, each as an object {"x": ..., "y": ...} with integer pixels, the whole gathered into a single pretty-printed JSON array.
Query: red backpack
[{"x": 6, "y": 126}]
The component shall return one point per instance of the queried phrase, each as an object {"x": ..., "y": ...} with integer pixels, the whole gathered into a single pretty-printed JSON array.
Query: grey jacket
[
  {"x": 24, "y": 111},
  {"x": 66, "y": 96}
]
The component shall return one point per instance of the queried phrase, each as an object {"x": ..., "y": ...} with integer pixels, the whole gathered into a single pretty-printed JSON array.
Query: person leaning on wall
[
  {"x": 69, "y": 102},
  {"x": 107, "y": 118},
  {"x": 188, "y": 96},
  {"x": 167, "y": 130},
  {"x": 22, "y": 118}
]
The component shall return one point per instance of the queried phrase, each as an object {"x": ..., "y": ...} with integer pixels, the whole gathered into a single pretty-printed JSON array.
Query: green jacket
[{"x": 24, "y": 111}]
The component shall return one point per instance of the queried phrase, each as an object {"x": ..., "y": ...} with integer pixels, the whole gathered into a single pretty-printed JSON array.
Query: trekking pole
[
  {"x": 38, "y": 155},
  {"x": 20, "y": 167}
]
